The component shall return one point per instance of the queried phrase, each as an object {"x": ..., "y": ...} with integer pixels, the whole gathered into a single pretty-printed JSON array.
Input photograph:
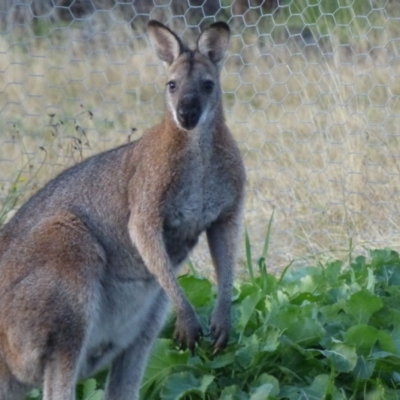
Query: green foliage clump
[{"x": 320, "y": 332}]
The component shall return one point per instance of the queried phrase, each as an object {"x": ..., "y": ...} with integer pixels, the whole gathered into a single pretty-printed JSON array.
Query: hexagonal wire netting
[{"x": 311, "y": 92}]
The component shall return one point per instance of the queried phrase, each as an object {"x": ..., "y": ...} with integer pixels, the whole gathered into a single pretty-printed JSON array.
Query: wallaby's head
[{"x": 193, "y": 92}]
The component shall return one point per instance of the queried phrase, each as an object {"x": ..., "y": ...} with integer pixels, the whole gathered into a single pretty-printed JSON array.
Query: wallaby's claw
[
  {"x": 219, "y": 343},
  {"x": 187, "y": 335},
  {"x": 220, "y": 335}
]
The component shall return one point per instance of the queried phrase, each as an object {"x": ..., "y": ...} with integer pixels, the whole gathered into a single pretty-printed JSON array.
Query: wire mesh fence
[{"x": 311, "y": 92}]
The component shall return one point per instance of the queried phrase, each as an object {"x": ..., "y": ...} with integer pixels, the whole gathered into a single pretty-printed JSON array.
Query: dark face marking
[{"x": 190, "y": 61}]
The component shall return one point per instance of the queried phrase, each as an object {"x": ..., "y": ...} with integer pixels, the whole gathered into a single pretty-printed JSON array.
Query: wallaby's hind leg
[
  {"x": 60, "y": 376},
  {"x": 127, "y": 369},
  {"x": 65, "y": 348},
  {"x": 10, "y": 388},
  {"x": 55, "y": 275}
]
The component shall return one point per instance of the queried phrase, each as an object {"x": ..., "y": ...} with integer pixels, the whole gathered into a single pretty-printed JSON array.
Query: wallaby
[{"x": 88, "y": 265}]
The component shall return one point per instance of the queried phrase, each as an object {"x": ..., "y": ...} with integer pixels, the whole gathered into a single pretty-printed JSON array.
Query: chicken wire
[{"x": 311, "y": 93}]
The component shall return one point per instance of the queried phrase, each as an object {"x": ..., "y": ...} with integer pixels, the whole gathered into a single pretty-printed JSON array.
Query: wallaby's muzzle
[{"x": 189, "y": 112}]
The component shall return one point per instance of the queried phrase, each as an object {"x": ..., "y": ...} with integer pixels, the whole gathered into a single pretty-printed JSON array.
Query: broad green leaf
[
  {"x": 179, "y": 384},
  {"x": 302, "y": 297},
  {"x": 233, "y": 393},
  {"x": 269, "y": 338},
  {"x": 379, "y": 257},
  {"x": 246, "y": 310},
  {"x": 386, "y": 342},
  {"x": 358, "y": 263},
  {"x": 343, "y": 357},
  {"x": 89, "y": 387},
  {"x": 364, "y": 369},
  {"x": 262, "y": 392},
  {"x": 267, "y": 283},
  {"x": 363, "y": 337},
  {"x": 316, "y": 391},
  {"x": 245, "y": 357},
  {"x": 306, "y": 331},
  {"x": 162, "y": 362},
  {"x": 338, "y": 293},
  {"x": 249, "y": 354},
  {"x": 332, "y": 272},
  {"x": 221, "y": 360},
  {"x": 303, "y": 280},
  {"x": 394, "y": 279},
  {"x": 386, "y": 361},
  {"x": 396, "y": 377},
  {"x": 97, "y": 395},
  {"x": 265, "y": 379},
  {"x": 246, "y": 289},
  {"x": 34, "y": 394},
  {"x": 385, "y": 354},
  {"x": 205, "y": 382},
  {"x": 389, "y": 273},
  {"x": 377, "y": 392},
  {"x": 386, "y": 264},
  {"x": 383, "y": 256},
  {"x": 283, "y": 314},
  {"x": 362, "y": 305},
  {"x": 391, "y": 299},
  {"x": 198, "y": 290},
  {"x": 164, "y": 357}
]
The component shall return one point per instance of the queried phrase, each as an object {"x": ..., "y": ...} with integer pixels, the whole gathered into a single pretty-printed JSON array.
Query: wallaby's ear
[
  {"x": 166, "y": 44},
  {"x": 214, "y": 41}
]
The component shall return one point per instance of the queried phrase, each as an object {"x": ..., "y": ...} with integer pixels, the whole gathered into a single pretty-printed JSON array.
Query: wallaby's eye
[
  {"x": 171, "y": 85},
  {"x": 208, "y": 86}
]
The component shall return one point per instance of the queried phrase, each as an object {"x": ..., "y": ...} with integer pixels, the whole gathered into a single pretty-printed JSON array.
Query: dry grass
[{"x": 318, "y": 128}]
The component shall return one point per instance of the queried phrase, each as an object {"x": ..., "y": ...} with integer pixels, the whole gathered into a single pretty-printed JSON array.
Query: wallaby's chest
[{"x": 195, "y": 202}]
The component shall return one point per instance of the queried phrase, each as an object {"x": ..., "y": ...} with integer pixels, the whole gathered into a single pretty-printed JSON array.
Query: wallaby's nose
[{"x": 189, "y": 111}]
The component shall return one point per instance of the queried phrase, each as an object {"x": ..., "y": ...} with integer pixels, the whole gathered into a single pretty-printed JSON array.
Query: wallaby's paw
[
  {"x": 188, "y": 332},
  {"x": 219, "y": 330}
]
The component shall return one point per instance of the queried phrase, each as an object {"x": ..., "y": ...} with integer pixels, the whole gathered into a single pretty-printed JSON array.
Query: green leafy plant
[{"x": 319, "y": 332}]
